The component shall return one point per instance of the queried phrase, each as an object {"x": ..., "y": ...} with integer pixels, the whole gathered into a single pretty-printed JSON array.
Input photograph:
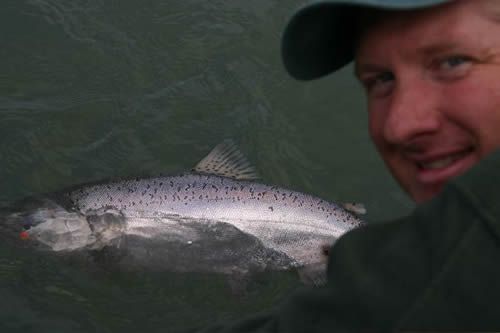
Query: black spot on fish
[{"x": 271, "y": 208}]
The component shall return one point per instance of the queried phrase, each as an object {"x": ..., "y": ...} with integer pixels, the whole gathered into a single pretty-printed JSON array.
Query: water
[{"x": 93, "y": 89}]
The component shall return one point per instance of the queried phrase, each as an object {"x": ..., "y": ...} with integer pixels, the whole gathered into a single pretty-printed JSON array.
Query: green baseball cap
[{"x": 320, "y": 37}]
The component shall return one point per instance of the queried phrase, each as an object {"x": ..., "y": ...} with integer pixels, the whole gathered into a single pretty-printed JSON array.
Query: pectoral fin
[{"x": 354, "y": 207}]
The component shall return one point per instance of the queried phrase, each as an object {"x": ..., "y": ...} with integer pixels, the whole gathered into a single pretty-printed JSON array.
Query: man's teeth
[
  {"x": 438, "y": 164},
  {"x": 442, "y": 163}
]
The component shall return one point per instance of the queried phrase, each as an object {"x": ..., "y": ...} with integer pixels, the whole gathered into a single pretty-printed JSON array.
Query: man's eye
[
  {"x": 379, "y": 84},
  {"x": 454, "y": 62},
  {"x": 453, "y": 67},
  {"x": 385, "y": 77}
]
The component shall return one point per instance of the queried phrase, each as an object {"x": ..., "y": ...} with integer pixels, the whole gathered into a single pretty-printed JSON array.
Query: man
[{"x": 431, "y": 72}]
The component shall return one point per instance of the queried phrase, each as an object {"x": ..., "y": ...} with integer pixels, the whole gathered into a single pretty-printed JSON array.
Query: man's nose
[{"x": 413, "y": 112}]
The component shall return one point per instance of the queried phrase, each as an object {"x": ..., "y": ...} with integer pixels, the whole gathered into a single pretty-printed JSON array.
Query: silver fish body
[
  {"x": 189, "y": 222},
  {"x": 284, "y": 220}
]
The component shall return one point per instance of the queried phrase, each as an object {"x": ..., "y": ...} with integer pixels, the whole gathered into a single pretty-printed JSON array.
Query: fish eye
[{"x": 30, "y": 221}]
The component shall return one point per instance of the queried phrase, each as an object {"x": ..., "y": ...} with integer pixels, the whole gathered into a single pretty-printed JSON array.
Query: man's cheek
[{"x": 374, "y": 129}]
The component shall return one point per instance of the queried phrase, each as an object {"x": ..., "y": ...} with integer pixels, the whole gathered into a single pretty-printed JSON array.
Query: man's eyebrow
[{"x": 432, "y": 49}]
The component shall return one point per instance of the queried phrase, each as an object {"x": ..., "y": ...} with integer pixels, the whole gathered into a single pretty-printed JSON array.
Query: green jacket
[{"x": 437, "y": 269}]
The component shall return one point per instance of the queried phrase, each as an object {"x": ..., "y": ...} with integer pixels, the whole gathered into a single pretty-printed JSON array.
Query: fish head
[{"x": 46, "y": 224}]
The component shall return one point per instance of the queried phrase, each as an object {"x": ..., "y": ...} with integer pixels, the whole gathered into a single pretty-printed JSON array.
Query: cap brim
[{"x": 320, "y": 37}]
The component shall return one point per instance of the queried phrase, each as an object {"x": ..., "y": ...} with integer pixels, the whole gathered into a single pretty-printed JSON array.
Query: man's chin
[{"x": 422, "y": 195}]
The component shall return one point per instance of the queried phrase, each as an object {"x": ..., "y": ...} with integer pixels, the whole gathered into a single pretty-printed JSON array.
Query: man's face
[{"x": 432, "y": 79}]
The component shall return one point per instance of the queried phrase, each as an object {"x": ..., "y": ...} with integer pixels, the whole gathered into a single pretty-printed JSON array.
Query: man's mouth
[
  {"x": 441, "y": 168},
  {"x": 443, "y": 162}
]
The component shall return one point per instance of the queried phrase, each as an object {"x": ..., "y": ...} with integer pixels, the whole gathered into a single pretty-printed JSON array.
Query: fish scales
[
  {"x": 210, "y": 197},
  {"x": 285, "y": 220}
]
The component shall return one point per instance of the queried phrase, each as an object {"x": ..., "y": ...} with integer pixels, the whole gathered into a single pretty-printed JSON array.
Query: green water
[{"x": 93, "y": 89}]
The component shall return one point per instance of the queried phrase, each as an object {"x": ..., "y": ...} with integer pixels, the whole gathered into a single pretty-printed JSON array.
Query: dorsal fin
[{"x": 226, "y": 160}]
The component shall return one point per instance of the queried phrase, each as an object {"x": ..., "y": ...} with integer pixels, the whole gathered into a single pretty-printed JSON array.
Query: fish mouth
[{"x": 43, "y": 224}]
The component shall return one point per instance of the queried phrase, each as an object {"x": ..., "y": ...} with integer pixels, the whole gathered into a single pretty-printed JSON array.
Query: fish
[{"x": 215, "y": 218}]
